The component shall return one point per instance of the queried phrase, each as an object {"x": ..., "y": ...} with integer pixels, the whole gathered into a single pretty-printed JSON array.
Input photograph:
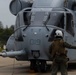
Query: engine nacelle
[{"x": 17, "y": 5}]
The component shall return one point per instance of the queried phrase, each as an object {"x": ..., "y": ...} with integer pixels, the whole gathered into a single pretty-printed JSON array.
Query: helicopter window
[
  {"x": 74, "y": 7},
  {"x": 27, "y": 17},
  {"x": 56, "y": 19},
  {"x": 61, "y": 22},
  {"x": 69, "y": 24},
  {"x": 37, "y": 18}
]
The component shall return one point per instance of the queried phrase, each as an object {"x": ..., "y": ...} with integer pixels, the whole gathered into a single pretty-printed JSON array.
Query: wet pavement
[{"x": 10, "y": 66}]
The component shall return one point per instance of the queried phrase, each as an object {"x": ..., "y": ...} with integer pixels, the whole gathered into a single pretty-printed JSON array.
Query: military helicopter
[{"x": 36, "y": 22}]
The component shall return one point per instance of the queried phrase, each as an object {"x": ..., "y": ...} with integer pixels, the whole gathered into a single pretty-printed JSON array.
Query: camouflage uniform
[{"x": 59, "y": 56}]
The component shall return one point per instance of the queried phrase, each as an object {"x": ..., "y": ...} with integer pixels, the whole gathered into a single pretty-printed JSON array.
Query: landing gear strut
[{"x": 38, "y": 66}]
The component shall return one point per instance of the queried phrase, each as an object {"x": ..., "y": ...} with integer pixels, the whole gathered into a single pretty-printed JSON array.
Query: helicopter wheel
[
  {"x": 33, "y": 64},
  {"x": 43, "y": 66},
  {"x": 38, "y": 66}
]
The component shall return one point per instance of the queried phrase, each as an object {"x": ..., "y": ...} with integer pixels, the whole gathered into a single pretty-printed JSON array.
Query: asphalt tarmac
[{"x": 10, "y": 66}]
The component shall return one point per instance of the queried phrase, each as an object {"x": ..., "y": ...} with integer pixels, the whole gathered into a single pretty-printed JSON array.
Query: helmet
[{"x": 58, "y": 33}]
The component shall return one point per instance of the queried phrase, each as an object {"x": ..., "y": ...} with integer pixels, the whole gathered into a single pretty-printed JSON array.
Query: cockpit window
[
  {"x": 56, "y": 19},
  {"x": 27, "y": 17},
  {"x": 69, "y": 24},
  {"x": 59, "y": 19}
]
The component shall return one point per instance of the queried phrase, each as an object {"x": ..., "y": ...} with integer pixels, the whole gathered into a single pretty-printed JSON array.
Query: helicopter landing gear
[{"x": 38, "y": 66}]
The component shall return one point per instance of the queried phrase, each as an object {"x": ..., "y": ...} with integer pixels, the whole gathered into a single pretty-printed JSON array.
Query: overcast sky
[{"x": 5, "y": 15}]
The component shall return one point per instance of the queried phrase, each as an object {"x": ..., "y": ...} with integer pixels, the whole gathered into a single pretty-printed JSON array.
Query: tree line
[{"x": 5, "y": 33}]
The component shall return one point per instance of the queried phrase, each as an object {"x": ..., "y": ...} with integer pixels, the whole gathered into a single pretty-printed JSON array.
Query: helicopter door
[{"x": 69, "y": 28}]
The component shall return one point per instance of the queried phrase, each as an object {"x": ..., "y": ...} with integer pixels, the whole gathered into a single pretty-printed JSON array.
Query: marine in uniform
[{"x": 59, "y": 54}]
